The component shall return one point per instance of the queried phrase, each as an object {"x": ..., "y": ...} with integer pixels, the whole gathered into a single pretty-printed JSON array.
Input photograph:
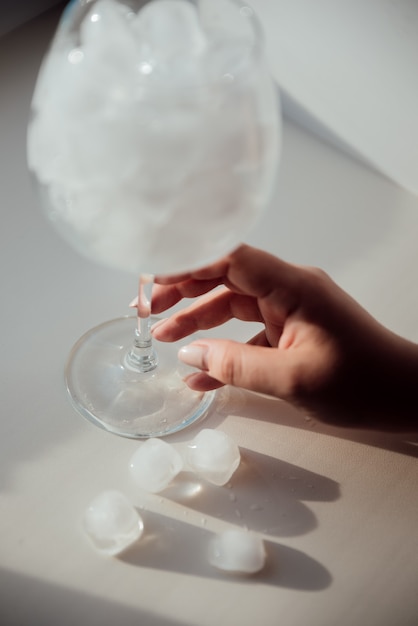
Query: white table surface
[{"x": 338, "y": 509}]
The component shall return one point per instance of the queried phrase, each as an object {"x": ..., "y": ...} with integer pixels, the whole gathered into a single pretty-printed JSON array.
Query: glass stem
[{"x": 142, "y": 355}]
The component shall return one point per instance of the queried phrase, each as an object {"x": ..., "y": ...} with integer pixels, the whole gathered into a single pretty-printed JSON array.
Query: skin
[{"x": 319, "y": 349}]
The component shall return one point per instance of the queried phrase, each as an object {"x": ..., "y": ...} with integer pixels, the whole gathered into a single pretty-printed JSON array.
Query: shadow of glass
[{"x": 174, "y": 545}]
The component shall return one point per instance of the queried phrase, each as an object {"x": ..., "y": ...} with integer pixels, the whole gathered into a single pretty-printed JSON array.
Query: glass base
[{"x": 108, "y": 390}]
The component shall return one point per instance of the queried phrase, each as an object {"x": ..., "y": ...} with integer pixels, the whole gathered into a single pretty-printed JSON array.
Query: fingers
[
  {"x": 260, "y": 340},
  {"x": 202, "y": 382},
  {"x": 256, "y": 368},
  {"x": 215, "y": 270},
  {"x": 166, "y": 296},
  {"x": 209, "y": 311},
  {"x": 247, "y": 271},
  {"x": 260, "y": 274}
]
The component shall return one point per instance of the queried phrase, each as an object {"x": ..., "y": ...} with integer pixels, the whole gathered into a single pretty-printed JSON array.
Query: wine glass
[{"x": 154, "y": 140}]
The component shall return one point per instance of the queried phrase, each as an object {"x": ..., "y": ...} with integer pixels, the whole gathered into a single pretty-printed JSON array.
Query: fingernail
[
  {"x": 195, "y": 355},
  {"x": 134, "y": 303}
]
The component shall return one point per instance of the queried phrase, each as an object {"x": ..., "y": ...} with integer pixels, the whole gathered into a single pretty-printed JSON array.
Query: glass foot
[{"x": 105, "y": 387}]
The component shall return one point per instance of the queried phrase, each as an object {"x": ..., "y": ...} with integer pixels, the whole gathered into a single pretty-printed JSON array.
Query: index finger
[
  {"x": 249, "y": 271},
  {"x": 209, "y": 272},
  {"x": 165, "y": 296}
]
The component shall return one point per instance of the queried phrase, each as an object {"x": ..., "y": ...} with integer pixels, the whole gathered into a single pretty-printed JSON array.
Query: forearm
[
  {"x": 376, "y": 389},
  {"x": 398, "y": 389}
]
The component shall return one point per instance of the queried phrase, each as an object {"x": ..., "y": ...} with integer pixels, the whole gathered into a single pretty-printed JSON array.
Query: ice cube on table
[
  {"x": 213, "y": 455},
  {"x": 154, "y": 465},
  {"x": 112, "y": 523},
  {"x": 237, "y": 550}
]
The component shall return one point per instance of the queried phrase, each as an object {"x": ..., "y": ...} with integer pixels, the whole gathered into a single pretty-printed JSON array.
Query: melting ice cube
[
  {"x": 155, "y": 464},
  {"x": 213, "y": 455},
  {"x": 237, "y": 551},
  {"x": 112, "y": 523}
]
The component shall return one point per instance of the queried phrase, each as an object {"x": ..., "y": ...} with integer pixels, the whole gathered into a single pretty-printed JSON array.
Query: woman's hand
[{"x": 318, "y": 349}]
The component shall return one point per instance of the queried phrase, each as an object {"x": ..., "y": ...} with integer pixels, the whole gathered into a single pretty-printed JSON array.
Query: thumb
[{"x": 256, "y": 368}]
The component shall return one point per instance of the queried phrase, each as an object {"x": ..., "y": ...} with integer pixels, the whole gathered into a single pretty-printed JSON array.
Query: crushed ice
[{"x": 127, "y": 152}]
